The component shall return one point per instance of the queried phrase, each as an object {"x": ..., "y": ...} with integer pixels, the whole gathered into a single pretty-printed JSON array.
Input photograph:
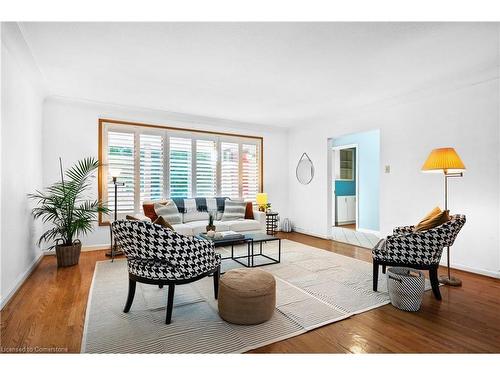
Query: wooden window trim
[{"x": 102, "y": 121}]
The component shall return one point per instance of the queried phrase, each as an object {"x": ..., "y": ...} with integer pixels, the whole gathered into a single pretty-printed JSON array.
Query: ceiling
[{"x": 279, "y": 74}]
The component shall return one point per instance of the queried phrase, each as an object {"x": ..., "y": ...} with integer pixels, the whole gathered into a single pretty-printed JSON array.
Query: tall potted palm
[{"x": 70, "y": 211}]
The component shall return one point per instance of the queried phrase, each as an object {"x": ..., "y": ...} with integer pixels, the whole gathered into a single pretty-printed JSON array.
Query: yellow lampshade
[
  {"x": 261, "y": 199},
  {"x": 443, "y": 160}
]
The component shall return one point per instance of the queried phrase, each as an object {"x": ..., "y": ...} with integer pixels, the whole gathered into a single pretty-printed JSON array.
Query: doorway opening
[{"x": 353, "y": 188}]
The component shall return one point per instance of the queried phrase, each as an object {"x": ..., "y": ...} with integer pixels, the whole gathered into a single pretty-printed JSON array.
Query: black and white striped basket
[{"x": 406, "y": 288}]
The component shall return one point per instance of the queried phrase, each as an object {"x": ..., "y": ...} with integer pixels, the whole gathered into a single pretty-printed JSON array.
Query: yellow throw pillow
[
  {"x": 432, "y": 221},
  {"x": 162, "y": 222}
]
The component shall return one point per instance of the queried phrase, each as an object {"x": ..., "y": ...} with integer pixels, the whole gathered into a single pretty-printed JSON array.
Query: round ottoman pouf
[{"x": 247, "y": 296}]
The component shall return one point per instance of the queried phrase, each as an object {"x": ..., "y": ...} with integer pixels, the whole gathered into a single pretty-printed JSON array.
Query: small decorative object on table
[
  {"x": 210, "y": 226},
  {"x": 406, "y": 288},
  {"x": 272, "y": 219},
  {"x": 262, "y": 201}
]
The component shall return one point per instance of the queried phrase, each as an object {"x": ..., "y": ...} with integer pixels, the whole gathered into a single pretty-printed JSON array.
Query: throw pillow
[
  {"x": 169, "y": 212},
  {"x": 149, "y": 211},
  {"x": 213, "y": 206},
  {"x": 433, "y": 221},
  {"x": 234, "y": 210},
  {"x": 249, "y": 211},
  {"x": 162, "y": 222}
]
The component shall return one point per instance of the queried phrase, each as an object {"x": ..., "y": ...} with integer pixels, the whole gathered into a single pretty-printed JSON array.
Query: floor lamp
[
  {"x": 446, "y": 161},
  {"x": 114, "y": 173}
]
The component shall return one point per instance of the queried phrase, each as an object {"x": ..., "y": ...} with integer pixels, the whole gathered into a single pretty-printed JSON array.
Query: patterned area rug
[{"x": 314, "y": 288}]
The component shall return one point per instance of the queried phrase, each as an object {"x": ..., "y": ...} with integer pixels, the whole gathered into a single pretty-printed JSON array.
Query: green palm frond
[{"x": 65, "y": 204}]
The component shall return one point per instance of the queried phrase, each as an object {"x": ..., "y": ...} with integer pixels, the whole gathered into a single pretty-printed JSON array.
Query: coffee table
[{"x": 251, "y": 240}]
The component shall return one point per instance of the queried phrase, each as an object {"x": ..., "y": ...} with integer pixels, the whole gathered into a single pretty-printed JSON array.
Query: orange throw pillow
[
  {"x": 149, "y": 211},
  {"x": 162, "y": 222},
  {"x": 249, "y": 211},
  {"x": 433, "y": 219}
]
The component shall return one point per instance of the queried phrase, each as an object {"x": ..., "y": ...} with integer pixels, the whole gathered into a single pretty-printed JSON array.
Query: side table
[{"x": 272, "y": 219}]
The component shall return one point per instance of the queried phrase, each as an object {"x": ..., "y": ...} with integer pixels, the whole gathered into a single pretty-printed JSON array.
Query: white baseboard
[
  {"x": 106, "y": 246},
  {"x": 480, "y": 271},
  {"x": 371, "y": 231},
  {"x": 20, "y": 280},
  {"x": 314, "y": 234}
]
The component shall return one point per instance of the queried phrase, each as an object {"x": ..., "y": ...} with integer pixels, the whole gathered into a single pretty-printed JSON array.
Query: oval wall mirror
[{"x": 305, "y": 170}]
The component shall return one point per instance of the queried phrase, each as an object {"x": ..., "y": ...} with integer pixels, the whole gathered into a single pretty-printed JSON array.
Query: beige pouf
[{"x": 247, "y": 296}]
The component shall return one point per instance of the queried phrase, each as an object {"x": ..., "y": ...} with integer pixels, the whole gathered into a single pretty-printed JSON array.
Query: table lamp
[
  {"x": 446, "y": 161},
  {"x": 262, "y": 201}
]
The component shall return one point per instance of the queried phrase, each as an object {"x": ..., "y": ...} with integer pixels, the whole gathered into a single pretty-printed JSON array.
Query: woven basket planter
[
  {"x": 406, "y": 288},
  {"x": 68, "y": 255}
]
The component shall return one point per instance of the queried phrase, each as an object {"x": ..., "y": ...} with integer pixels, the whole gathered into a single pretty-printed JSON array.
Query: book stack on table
[{"x": 229, "y": 235}]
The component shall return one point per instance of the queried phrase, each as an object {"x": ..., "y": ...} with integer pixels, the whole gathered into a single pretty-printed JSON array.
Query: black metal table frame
[{"x": 251, "y": 254}]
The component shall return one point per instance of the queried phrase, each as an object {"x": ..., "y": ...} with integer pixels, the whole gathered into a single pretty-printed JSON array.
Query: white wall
[
  {"x": 70, "y": 130},
  {"x": 464, "y": 115},
  {"x": 21, "y": 162}
]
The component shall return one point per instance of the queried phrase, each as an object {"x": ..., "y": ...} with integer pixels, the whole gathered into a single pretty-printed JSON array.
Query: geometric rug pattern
[{"x": 313, "y": 288}]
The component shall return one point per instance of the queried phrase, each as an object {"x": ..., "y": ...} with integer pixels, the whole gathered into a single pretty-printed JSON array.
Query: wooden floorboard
[{"x": 47, "y": 315}]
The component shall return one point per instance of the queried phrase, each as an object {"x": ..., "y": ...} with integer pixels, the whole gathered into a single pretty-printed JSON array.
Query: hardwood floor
[
  {"x": 48, "y": 312},
  {"x": 348, "y": 226}
]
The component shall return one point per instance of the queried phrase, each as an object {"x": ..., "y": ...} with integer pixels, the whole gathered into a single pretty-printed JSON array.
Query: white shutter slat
[
  {"x": 151, "y": 167},
  {"x": 206, "y": 164},
  {"x": 180, "y": 159},
  {"x": 250, "y": 172},
  {"x": 229, "y": 169},
  {"x": 121, "y": 156}
]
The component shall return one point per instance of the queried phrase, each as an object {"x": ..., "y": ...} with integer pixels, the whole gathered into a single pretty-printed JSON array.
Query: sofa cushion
[
  {"x": 197, "y": 227},
  {"x": 243, "y": 225},
  {"x": 233, "y": 210},
  {"x": 184, "y": 229},
  {"x": 221, "y": 226},
  {"x": 195, "y": 216},
  {"x": 169, "y": 212}
]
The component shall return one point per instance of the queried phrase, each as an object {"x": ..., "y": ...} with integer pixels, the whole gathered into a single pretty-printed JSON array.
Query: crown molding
[{"x": 197, "y": 121}]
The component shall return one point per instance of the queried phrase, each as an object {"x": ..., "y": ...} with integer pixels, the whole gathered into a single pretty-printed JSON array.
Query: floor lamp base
[
  {"x": 451, "y": 281},
  {"x": 115, "y": 252}
]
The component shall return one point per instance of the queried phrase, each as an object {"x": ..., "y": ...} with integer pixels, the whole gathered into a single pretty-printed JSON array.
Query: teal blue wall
[
  {"x": 345, "y": 187},
  {"x": 369, "y": 175}
]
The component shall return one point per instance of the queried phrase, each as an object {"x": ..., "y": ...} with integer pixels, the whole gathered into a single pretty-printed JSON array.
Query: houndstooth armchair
[
  {"x": 160, "y": 256},
  {"x": 420, "y": 250}
]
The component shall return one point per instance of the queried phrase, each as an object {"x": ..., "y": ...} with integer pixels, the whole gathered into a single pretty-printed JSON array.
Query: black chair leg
[
  {"x": 170, "y": 303},
  {"x": 383, "y": 269},
  {"x": 216, "y": 282},
  {"x": 375, "y": 275},
  {"x": 433, "y": 276},
  {"x": 131, "y": 294}
]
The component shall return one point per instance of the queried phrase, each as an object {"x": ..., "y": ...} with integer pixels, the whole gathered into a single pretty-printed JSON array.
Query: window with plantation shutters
[
  {"x": 206, "y": 168},
  {"x": 151, "y": 167},
  {"x": 121, "y": 157},
  {"x": 180, "y": 167},
  {"x": 157, "y": 163},
  {"x": 249, "y": 172},
  {"x": 229, "y": 175}
]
